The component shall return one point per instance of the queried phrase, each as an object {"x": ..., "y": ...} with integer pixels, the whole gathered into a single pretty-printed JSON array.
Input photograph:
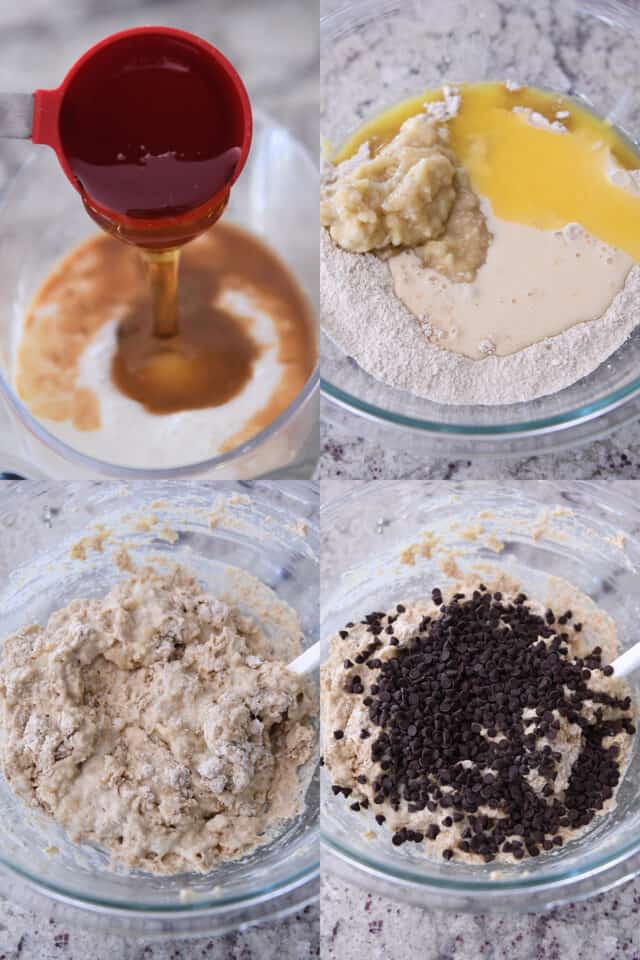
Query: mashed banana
[{"x": 411, "y": 194}]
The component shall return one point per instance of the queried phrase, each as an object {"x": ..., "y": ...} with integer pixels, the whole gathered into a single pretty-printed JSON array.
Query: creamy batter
[
  {"x": 535, "y": 284},
  {"x": 156, "y": 723}
]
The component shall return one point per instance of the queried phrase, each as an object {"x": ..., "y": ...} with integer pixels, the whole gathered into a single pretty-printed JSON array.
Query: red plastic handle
[{"x": 46, "y": 116}]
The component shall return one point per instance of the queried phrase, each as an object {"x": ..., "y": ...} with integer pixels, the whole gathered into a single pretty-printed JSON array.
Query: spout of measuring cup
[{"x": 16, "y": 115}]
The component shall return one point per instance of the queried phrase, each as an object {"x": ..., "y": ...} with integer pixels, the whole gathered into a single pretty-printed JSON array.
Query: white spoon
[
  {"x": 627, "y": 662},
  {"x": 308, "y": 661}
]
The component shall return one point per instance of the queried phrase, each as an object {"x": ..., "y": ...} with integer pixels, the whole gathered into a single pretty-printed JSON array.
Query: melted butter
[{"x": 531, "y": 175}]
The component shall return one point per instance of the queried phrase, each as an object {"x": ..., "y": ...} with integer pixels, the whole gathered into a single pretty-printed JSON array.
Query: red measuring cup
[{"x": 151, "y": 125}]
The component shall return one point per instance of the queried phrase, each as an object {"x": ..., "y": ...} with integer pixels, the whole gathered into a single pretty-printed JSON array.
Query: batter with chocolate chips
[{"x": 480, "y": 724}]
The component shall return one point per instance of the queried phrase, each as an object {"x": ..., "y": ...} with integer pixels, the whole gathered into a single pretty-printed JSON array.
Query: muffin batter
[
  {"x": 156, "y": 723},
  {"x": 482, "y": 724}
]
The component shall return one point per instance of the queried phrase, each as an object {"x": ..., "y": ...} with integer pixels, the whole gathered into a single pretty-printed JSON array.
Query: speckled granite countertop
[
  {"x": 29, "y": 936},
  {"x": 349, "y": 446},
  {"x": 358, "y": 925}
]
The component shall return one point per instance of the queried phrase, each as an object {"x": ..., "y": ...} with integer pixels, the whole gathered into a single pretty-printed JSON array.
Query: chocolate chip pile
[{"x": 463, "y": 719}]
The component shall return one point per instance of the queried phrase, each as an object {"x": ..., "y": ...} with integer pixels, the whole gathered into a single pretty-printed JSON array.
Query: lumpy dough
[
  {"x": 411, "y": 194},
  {"x": 156, "y": 722}
]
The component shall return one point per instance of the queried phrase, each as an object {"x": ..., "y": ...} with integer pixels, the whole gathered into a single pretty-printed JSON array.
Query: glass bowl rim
[
  {"x": 469, "y": 885},
  {"x": 354, "y": 13},
  {"x": 208, "y": 906},
  {"x": 525, "y": 429},
  {"x": 104, "y": 467}
]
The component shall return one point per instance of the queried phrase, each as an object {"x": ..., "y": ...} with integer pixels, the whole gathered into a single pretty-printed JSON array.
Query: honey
[{"x": 153, "y": 138}]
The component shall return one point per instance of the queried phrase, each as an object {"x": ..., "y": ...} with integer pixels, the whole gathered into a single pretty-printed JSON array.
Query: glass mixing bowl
[
  {"x": 41, "y": 219},
  {"x": 362, "y": 536},
  {"x": 257, "y": 534},
  {"x": 378, "y": 52}
]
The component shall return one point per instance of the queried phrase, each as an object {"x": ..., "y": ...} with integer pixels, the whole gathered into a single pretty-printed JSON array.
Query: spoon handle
[
  {"x": 627, "y": 662},
  {"x": 308, "y": 661},
  {"x": 16, "y": 115}
]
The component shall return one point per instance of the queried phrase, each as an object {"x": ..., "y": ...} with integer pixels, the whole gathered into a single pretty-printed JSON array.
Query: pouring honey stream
[{"x": 153, "y": 126}]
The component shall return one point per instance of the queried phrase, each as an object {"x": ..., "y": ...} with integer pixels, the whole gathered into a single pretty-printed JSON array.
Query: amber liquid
[
  {"x": 210, "y": 355},
  {"x": 152, "y": 133},
  {"x": 103, "y": 277},
  {"x": 153, "y": 137}
]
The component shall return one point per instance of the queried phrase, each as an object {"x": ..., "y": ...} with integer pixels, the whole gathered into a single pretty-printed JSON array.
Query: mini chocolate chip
[{"x": 479, "y": 663}]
